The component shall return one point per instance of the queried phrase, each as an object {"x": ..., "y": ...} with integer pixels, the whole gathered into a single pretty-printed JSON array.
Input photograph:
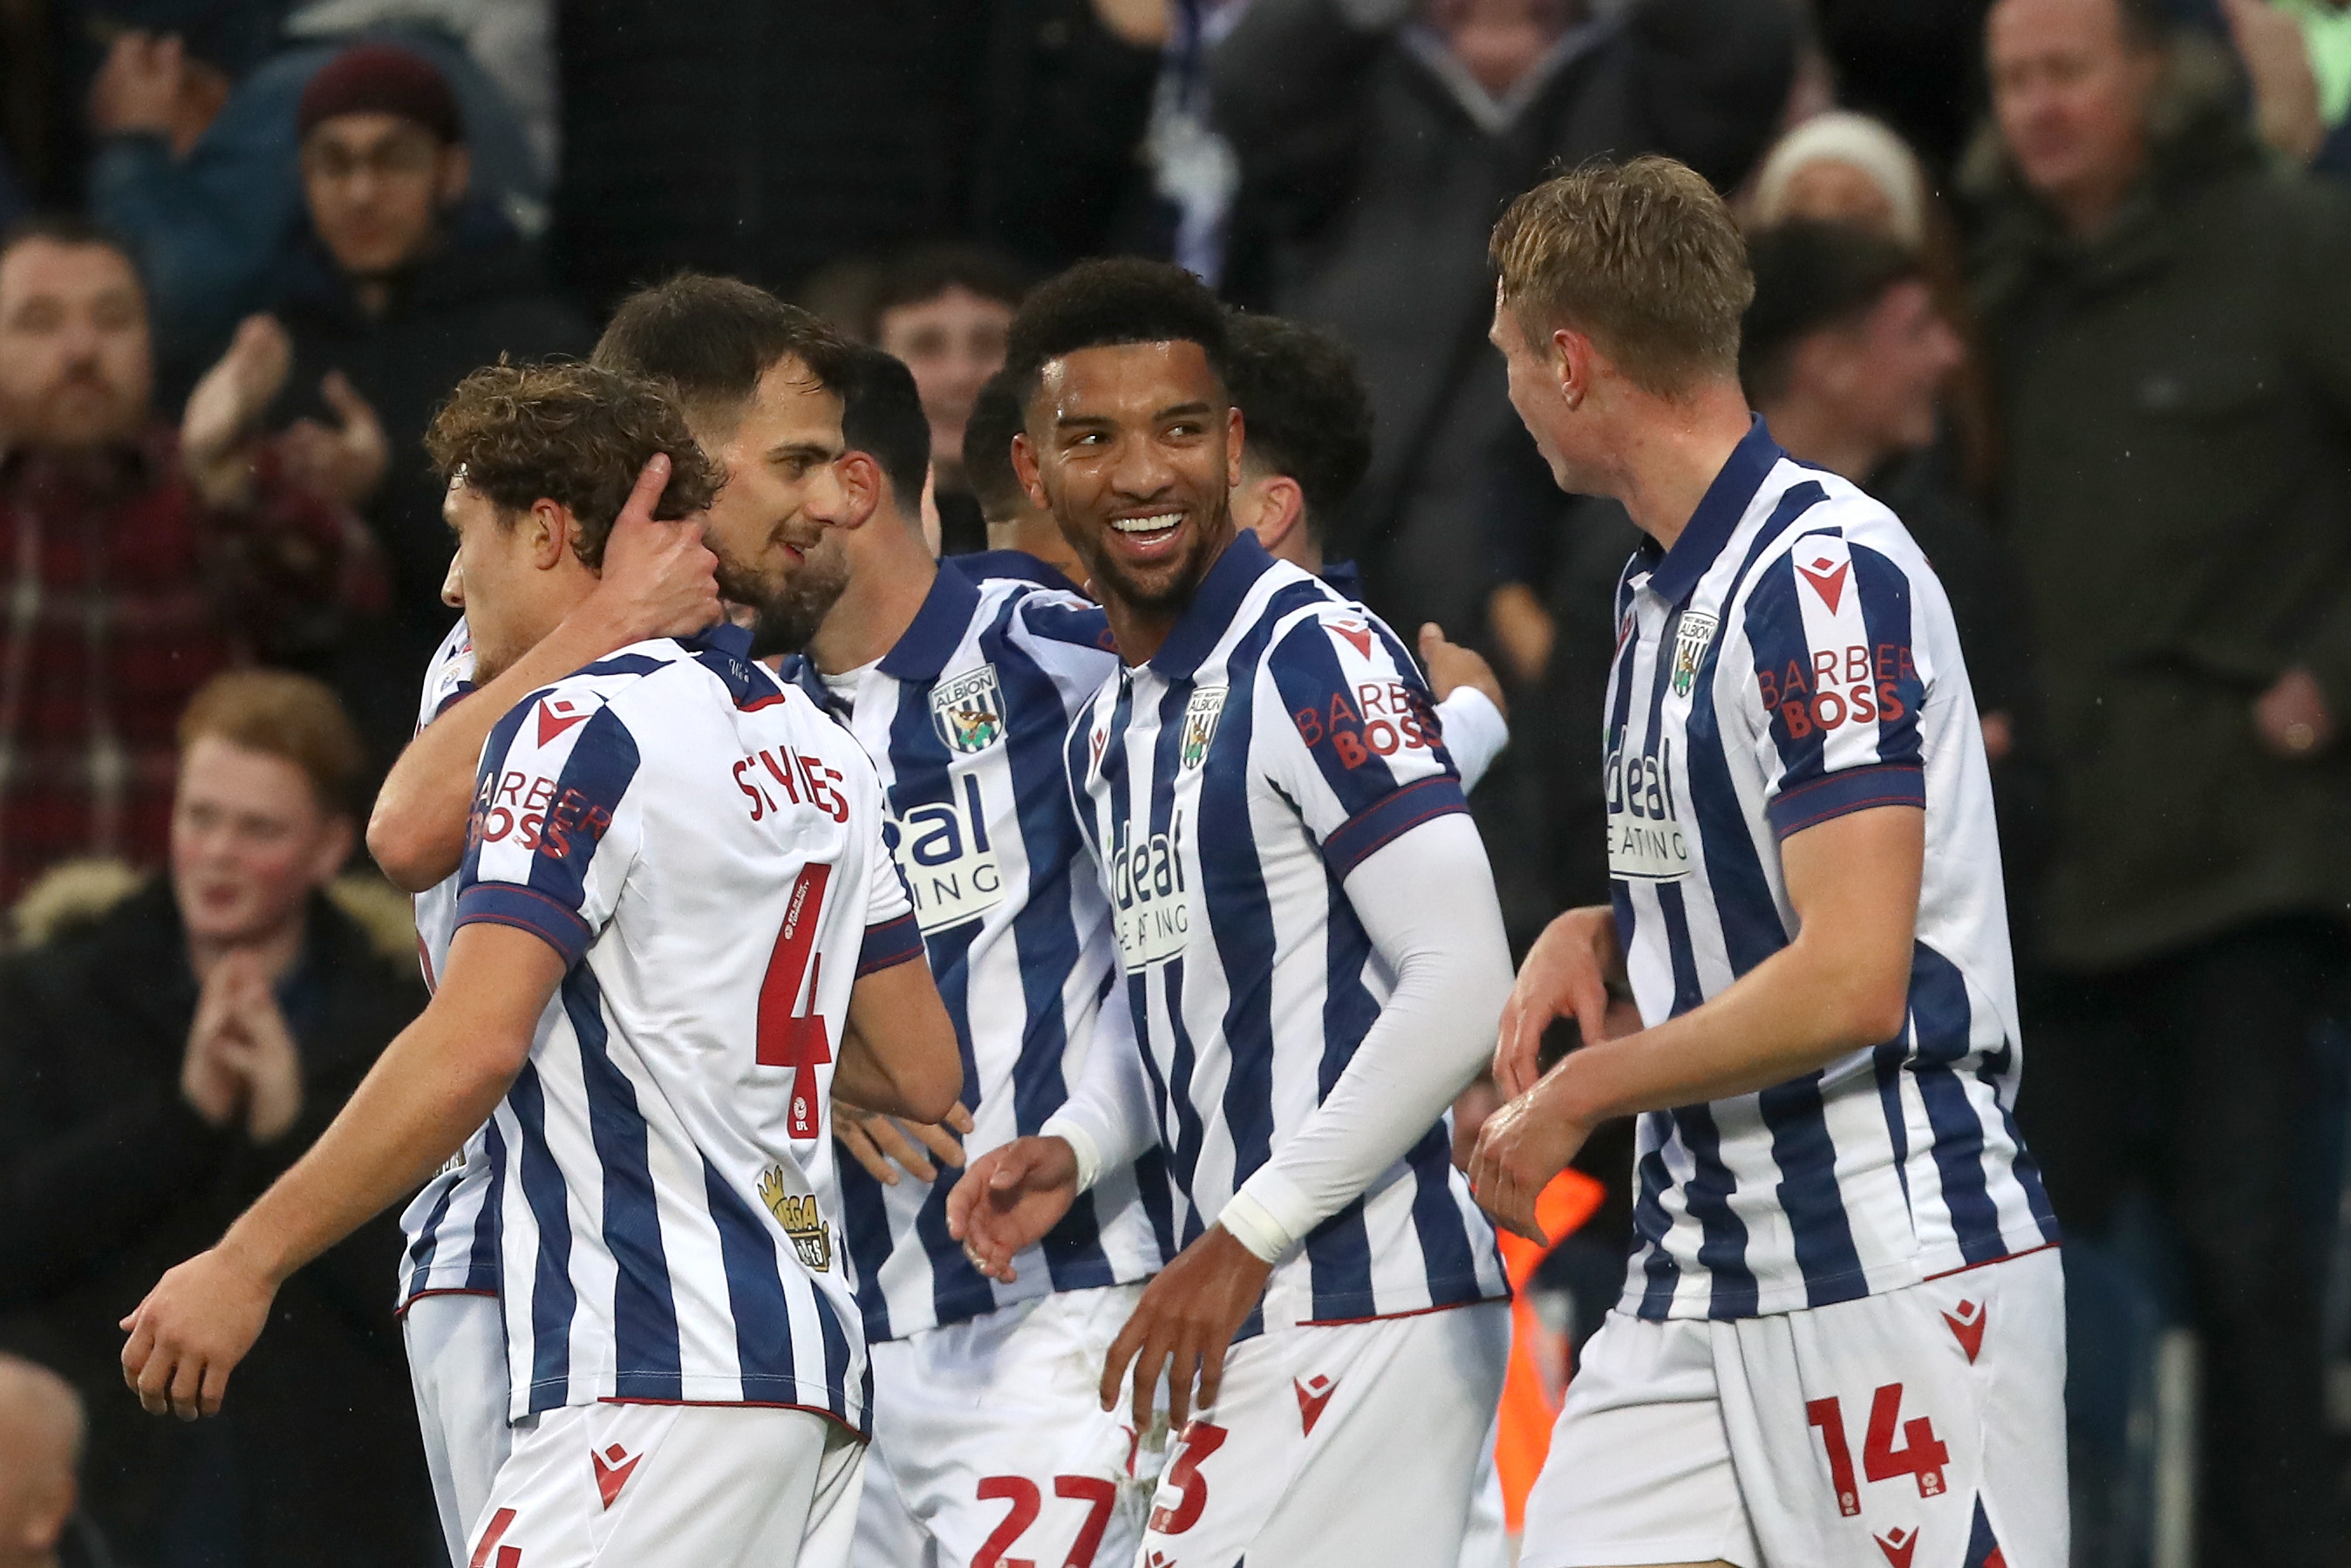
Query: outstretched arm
[
  {"x": 435, "y": 1084},
  {"x": 1840, "y": 986},
  {"x": 659, "y": 580}
]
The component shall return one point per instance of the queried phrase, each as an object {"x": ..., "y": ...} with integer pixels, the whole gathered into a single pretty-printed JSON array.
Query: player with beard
[
  {"x": 652, "y": 1305},
  {"x": 1313, "y": 963}
]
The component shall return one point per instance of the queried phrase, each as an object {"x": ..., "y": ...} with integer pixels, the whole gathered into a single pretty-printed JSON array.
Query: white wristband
[
  {"x": 1248, "y": 1223},
  {"x": 1082, "y": 1148}
]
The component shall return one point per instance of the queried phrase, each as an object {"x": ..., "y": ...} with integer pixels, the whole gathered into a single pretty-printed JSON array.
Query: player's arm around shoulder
[{"x": 899, "y": 1055}]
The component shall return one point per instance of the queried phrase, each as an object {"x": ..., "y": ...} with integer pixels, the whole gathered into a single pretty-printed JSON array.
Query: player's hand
[
  {"x": 874, "y": 1141},
  {"x": 1185, "y": 1322},
  {"x": 1452, "y": 666},
  {"x": 1520, "y": 1148},
  {"x": 1008, "y": 1200},
  {"x": 660, "y": 580},
  {"x": 347, "y": 462},
  {"x": 1565, "y": 975},
  {"x": 190, "y": 1332},
  {"x": 2292, "y": 717}
]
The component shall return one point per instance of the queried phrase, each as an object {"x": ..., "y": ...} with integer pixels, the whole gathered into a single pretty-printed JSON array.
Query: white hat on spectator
[{"x": 1792, "y": 184}]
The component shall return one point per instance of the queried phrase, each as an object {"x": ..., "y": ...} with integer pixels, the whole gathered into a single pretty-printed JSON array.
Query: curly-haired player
[{"x": 676, "y": 926}]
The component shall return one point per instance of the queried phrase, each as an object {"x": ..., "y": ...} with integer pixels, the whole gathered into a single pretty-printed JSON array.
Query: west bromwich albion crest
[
  {"x": 967, "y": 710},
  {"x": 1201, "y": 715},
  {"x": 1692, "y": 633}
]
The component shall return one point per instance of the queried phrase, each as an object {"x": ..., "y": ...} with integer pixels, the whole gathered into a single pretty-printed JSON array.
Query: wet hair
[
  {"x": 712, "y": 338},
  {"x": 883, "y": 415},
  {"x": 996, "y": 418},
  {"x": 1642, "y": 257},
  {"x": 1303, "y": 409},
  {"x": 1812, "y": 276},
  {"x": 286, "y": 716},
  {"x": 1104, "y": 304},
  {"x": 574, "y": 433}
]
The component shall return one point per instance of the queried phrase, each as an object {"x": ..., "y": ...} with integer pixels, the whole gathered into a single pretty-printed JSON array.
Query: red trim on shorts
[
  {"x": 440, "y": 1290},
  {"x": 830, "y": 1416},
  {"x": 1391, "y": 1317},
  {"x": 1991, "y": 1262}
]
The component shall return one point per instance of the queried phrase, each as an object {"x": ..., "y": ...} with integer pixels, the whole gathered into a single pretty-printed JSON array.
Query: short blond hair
[
  {"x": 285, "y": 716},
  {"x": 1643, "y": 258}
]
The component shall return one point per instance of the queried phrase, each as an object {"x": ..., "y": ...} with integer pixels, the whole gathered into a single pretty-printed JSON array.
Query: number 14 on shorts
[{"x": 1921, "y": 1453}]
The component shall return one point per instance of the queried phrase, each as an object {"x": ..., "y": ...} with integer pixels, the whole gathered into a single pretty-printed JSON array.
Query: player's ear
[
  {"x": 861, "y": 485},
  {"x": 1025, "y": 469},
  {"x": 1572, "y": 356},
  {"x": 1234, "y": 442},
  {"x": 549, "y": 530}
]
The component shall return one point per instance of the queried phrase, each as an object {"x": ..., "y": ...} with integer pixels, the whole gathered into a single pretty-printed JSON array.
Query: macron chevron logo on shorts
[
  {"x": 1312, "y": 1396},
  {"x": 1899, "y": 1546},
  {"x": 611, "y": 1478},
  {"x": 1967, "y": 1328}
]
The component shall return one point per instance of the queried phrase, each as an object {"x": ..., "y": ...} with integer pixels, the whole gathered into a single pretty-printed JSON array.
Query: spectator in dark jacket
[
  {"x": 1376, "y": 143},
  {"x": 135, "y": 562},
  {"x": 213, "y": 207},
  {"x": 157, "y": 1070},
  {"x": 2172, "y": 344},
  {"x": 407, "y": 285}
]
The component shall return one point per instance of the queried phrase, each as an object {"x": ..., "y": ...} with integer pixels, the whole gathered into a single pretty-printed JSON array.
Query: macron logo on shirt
[{"x": 556, "y": 714}]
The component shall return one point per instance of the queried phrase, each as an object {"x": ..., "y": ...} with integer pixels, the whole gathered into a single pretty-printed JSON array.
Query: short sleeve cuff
[
  {"x": 526, "y": 909},
  {"x": 889, "y": 945},
  {"x": 1840, "y": 794},
  {"x": 1388, "y": 819}
]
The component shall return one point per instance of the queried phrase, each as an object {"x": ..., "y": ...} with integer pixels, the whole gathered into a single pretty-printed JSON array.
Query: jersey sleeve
[
  {"x": 1353, "y": 740},
  {"x": 892, "y": 934},
  {"x": 449, "y": 677},
  {"x": 553, "y": 831},
  {"x": 1833, "y": 705}
]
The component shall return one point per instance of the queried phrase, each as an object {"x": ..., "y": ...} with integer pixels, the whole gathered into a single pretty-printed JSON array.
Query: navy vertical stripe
[
  {"x": 754, "y": 1292},
  {"x": 645, "y": 1347},
  {"x": 1994, "y": 1067},
  {"x": 1885, "y": 595},
  {"x": 866, "y": 1226},
  {"x": 1783, "y": 660},
  {"x": 1940, "y": 1020},
  {"x": 1723, "y": 1251},
  {"x": 604, "y": 761},
  {"x": 1650, "y": 1221},
  {"x": 489, "y": 1223},
  {"x": 1446, "y": 1254},
  {"x": 428, "y": 1238},
  {"x": 553, "y": 1302},
  {"x": 1818, "y": 1227}
]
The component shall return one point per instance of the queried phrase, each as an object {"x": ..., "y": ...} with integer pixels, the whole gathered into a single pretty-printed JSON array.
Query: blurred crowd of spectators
[{"x": 2063, "y": 281}]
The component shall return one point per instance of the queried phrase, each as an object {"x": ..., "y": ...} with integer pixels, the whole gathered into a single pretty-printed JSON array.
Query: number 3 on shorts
[{"x": 1922, "y": 1454}]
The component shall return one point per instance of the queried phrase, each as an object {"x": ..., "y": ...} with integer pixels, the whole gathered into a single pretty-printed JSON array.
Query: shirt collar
[
  {"x": 721, "y": 636},
  {"x": 1345, "y": 576},
  {"x": 1717, "y": 517},
  {"x": 1214, "y": 605},
  {"x": 923, "y": 650}
]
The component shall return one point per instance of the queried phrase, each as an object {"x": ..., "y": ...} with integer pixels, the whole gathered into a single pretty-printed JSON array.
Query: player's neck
[
  {"x": 890, "y": 576},
  {"x": 1812, "y": 435},
  {"x": 1669, "y": 454}
]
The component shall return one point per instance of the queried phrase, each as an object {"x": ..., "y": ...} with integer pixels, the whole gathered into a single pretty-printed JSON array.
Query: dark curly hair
[
  {"x": 1303, "y": 409},
  {"x": 573, "y": 433},
  {"x": 1105, "y": 304}
]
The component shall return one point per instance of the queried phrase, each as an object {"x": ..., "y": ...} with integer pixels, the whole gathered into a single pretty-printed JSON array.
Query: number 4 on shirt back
[{"x": 788, "y": 1036}]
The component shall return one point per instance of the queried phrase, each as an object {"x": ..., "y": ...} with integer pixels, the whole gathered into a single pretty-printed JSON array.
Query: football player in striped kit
[
  {"x": 1313, "y": 965},
  {"x": 689, "y": 857},
  {"x": 1841, "y": 1340}
]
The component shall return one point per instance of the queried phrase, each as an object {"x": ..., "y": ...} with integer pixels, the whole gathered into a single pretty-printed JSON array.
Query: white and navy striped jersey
[
  {"x": 451, "y": 1225},
  {"x": 965, "y": 720},
  {"x": 704, "y": 847},
  {"x": 1792, "y": 658},
  {"x": 1229, "y": 785}
]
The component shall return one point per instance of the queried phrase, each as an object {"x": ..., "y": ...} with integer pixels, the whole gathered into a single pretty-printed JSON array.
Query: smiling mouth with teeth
[{"x": 1159, "y": 523}]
